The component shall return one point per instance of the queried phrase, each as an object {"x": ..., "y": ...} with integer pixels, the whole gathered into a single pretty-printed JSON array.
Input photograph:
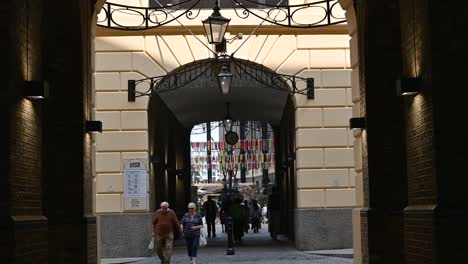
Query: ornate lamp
[
  {"x": 227, "y": 122},
  {"x": 224, "y": 79},
  {"x": 215, "y": 26}
]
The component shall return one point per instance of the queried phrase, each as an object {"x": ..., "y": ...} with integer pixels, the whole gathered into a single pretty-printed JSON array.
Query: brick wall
[
  {"x": 170, "y": 143},
  {"x": 28, "y": 130},
  {"x": 419, "y": 218},
  {"x": 25, "y": 144},
  {"x": 67, "y": 149},
  {"x": 450, "y": 148},
  {"x": 434, "y": 223},
  {"x": 383, "y": 140}
]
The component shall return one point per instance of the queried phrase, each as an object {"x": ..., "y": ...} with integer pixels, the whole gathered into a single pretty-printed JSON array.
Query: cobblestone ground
[{"x": 256, "y": 248}]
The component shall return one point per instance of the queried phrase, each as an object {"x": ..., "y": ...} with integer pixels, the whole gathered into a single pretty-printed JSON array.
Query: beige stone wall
[
  {"x": 358, "y": 135},
  {"x": 324, "y": 145}
]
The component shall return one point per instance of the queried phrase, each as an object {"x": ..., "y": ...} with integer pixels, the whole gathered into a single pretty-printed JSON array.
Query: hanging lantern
[
  {"x": 224, "y": 79},
  {"x": 215, "y": 26}
]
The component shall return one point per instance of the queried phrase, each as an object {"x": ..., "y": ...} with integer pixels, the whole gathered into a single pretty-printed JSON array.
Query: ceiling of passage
[{"x": 202, "y": 101}]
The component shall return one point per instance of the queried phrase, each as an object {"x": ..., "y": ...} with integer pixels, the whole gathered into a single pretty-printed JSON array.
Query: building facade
[{"x": 410, "y": 160}]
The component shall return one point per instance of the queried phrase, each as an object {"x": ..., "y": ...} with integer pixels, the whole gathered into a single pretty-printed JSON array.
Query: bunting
[{"x": 266, "y": 145}]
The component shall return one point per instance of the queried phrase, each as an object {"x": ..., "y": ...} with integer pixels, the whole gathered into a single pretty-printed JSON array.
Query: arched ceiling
[{"x": 201, "y": 100}]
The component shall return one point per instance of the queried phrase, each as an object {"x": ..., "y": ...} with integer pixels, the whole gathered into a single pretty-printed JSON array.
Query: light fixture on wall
[
  {"x": 37, "y": 90},
  {"x": 215, "y": 25},
  {"x": 93, "y": 126},
  {"x": 179, "y": 174},
  {"x": 357, "y": 123},
  {"x": 408, "y": 86},
  {"x": 225, "y": 79}
]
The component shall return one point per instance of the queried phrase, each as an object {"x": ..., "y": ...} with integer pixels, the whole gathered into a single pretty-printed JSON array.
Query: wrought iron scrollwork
[
  {"x": 125, "y": 17},
  {"x": 315, "y": 14},
  {"x": 210, "y": 68}
]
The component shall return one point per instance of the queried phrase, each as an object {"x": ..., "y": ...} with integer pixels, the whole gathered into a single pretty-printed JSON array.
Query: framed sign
[{"x": 135, "y": 185}]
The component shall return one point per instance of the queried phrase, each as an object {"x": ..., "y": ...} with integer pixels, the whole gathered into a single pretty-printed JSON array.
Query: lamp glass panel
[
  {"x": 225, "y": 83},
  {"x": 222, "y": 31},
  {"x": 208, "y": 31},
  {"x": 216, "y": 32},
  {"x": 228, "y": 124}
]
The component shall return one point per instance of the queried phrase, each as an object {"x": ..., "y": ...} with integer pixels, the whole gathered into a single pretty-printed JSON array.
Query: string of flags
[
  {"x": 249, "y": 145},
  {"x": 222, "y": 157},
  {"x": 231, "y": 165},
  {"x": 234, "y": 158}
]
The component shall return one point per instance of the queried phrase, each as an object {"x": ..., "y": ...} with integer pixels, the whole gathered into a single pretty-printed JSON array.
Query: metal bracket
[{"x": 209, "y": 68}]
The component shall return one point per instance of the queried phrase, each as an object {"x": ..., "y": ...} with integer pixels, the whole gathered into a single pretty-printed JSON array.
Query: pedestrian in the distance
[
  {"x": 210, "y": 210},
  {"x": 165, "y": 223},
  {"x": 255, "y": 215},
  {"x": 246, "y": 216},
  {"x": 192, "y": 223}
]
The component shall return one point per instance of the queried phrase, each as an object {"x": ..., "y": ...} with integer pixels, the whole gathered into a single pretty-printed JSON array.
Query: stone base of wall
[
  {"x": 124, "y": 236},
  {"x": 324, "y": 228}
]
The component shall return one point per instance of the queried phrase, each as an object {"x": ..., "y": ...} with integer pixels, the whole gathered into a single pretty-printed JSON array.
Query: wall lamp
[
  {"x": 290, "y": 161},
  {"x": 357, "y": 123},
  {"x": 408, "y": 86},
  {"x": 93, "y": 126},
  {"x": 179, "y": 174},
  {"x": 36, "y": 90}
]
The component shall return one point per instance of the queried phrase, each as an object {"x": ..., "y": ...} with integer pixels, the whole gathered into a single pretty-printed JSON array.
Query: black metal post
[
  {"x": 229, "y": 222},
  {"x": 229, "y": 231},
  {"x": 208, "y": 151}
]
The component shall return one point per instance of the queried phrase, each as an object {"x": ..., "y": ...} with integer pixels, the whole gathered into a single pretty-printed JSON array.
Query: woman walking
[{"x": 192, "y": 223}]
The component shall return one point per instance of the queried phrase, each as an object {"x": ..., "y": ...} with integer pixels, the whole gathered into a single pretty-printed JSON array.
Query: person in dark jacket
[
  {"x": 210, "y": 210},
  {"x": 255, "y": 215},
  {"x": 237, "y": 213},
  {"x": 192, "y": 223}
]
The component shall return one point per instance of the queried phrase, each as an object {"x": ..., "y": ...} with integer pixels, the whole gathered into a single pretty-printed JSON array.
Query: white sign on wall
[{"x": 135, "y": 184}]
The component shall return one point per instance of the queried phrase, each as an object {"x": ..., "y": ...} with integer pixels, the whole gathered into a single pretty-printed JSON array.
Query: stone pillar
[
  {"x": 383, "y": 147},
  {"x": 435, "y": 218},
  {"x": 22, "y": 207},
  {"x": 67, "y": 149}
]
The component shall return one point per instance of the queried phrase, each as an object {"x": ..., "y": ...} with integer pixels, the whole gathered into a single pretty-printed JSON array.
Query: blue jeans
[{"x": 192, "y": 245}]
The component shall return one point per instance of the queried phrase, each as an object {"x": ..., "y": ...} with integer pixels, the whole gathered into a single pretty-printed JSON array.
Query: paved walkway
[{"x": 256, "y": 248}]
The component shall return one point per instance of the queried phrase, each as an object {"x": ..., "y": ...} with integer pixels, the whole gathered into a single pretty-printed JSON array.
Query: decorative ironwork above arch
[
  {"x": 210, "y": 68},
  {"x": 315, "y": 14}
]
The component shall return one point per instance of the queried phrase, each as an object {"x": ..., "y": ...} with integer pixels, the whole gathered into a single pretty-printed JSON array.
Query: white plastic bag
[
  {"x": 202, "y": 241},
  {"x": 151, "y": 245}
]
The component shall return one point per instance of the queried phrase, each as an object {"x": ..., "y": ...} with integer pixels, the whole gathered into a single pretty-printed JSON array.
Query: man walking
[
  {"x": 165, "y": 223},
  {"x": 210, "y": 209}
]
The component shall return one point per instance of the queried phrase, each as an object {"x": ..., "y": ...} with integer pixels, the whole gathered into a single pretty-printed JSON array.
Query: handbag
[{"x": 202, "y": 240}]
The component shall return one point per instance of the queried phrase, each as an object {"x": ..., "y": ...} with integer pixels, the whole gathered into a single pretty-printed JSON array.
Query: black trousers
[{"x": 210, "y": 222}]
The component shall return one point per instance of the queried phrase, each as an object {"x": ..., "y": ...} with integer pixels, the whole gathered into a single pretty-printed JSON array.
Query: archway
[
  {"x": 324, "y": 163},
  {"x": 173, "y": 113}
]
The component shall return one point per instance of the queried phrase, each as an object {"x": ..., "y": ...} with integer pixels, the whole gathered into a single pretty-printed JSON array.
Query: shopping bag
[
  {"x": 151, "y": 245},
  {"x": 202, "y": 241}
]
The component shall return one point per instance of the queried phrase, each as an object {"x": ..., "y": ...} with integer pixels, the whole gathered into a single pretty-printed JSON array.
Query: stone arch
[{"x": 325, "y": 167}]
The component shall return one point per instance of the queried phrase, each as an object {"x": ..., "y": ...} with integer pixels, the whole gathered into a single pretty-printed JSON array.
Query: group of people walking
[
  {"x": 245, "y": 217},
  {"x": 166, "y": 226}
]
